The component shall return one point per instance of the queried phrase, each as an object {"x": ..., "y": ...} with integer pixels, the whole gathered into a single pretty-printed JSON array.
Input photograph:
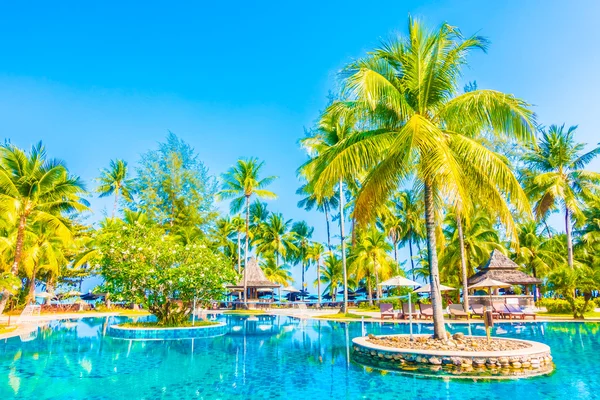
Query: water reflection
[{"x": 267, "y": 356}]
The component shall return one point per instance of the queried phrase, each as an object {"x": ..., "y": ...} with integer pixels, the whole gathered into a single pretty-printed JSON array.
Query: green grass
[
  {"x": 343, "y": 316},
  {"x": 591, "y": 314},
  {"x": 7, "y": 329},
  {"x": 244, "y": 312},
  {"x": 151, "y": 325}
]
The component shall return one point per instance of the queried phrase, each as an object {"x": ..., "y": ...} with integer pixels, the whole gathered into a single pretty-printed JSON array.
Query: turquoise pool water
[{"x": 271, "y": 358}]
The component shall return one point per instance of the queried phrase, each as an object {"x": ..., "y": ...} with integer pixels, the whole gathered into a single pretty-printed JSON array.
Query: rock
[
  {"x": 516, "y": 365},
  {"x": 458, "y": 336},
  {"x": 435, "y": 361},
  {"x": 371, "y": 336},
  {"x": 460, "y": 346}
]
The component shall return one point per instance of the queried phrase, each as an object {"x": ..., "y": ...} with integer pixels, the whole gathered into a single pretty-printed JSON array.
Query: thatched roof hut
[
  {"x": 503, "y": 269},
  {"x": 256, "y": 278}
]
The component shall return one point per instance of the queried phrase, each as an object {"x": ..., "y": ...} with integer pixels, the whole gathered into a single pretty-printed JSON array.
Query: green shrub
[{"x": 561, "y": 306}]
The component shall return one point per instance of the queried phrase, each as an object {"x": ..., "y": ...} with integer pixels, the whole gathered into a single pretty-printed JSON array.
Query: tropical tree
[
  {"x": 323, "y": 204},
  {"x": 39, "y": 190},
  {"x": 114, "y": 181},
  {"x": 275, "y": 238},
  {"x": 240, "y": 183},
  {"x": 238, "y": 226},
  {"x": 275, "y": 272},
  {"x": 539, "y": 255},
  {"x": 302, "y": 235},
  {"x": 370, "y": 258},
  {"x": 331, "y": 275},
  {"x": 335, "y": 125},
  {"x": 420, "y": 128},
  {"x": 411, "y": 212},
  {"x": 557, "y": 176},
  {"x": 315, "y": 254}
]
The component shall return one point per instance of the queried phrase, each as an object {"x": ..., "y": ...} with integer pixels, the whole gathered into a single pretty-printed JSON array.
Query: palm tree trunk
[
  {"x": 239, "y": 267},
  {"x": 548, "y": 229},
  {"x": 377, "y": 287},
  {"x": 302, "y": 263},
  {"x": 439, "y": 329},
  {"x": 246, "y": 248},
  {"x": 569, "y": 237},
  {"x": 370, "y": 290},
  {"x": 31, "y": 289},
  {"x": 345, "y": 307},
  {"x": 463, "y": 262},
  {"x": 18, "y": 251},
  {"x": 319, "y": 280},
  {"x": 116, "y": 202},
  {"x": 412, "y": 261},
  {"x": 326, "y": 208},
  {"x": 396, "y": 251}
]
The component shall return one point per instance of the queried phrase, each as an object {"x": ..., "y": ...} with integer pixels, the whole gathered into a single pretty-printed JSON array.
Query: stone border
[
  {"x": 530, "y": 361},
  {"x": 119, "y": 332}
]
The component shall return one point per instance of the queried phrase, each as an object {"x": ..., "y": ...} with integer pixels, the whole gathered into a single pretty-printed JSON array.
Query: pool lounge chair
[
  {"x": 387, "y": 310},
  {"x": 517, "y": 312},
  {"x": 501, "y": 309},
  {"x": 479, "y": 310},
  {"x": 426, "y": 310},
  {"x": 406, "y": 313},
  {"x": 457, "y": 311}
]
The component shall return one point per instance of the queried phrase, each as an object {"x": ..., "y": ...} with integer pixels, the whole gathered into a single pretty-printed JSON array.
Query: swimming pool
[{"x": 271, "y": 357}]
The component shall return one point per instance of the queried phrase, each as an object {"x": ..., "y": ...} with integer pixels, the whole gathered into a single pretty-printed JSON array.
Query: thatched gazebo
[
  {"x": 501, "y": 268},
  {"x": 256, "y": 281}
]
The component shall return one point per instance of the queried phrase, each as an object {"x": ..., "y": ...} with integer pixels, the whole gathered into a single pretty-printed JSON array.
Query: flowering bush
[{"x": 144, "y": 265}]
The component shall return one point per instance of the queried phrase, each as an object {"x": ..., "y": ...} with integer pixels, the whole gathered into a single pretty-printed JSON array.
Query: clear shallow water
[{"x": 275, "y": 358}]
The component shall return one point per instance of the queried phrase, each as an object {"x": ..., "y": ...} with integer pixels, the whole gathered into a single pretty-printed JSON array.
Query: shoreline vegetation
[{"x": 405, "y": 155}]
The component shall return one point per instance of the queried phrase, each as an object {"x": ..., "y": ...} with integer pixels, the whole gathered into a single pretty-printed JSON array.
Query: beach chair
[
  {"x": 386, "y": 310},
  {"x": 501, "y": 309},
  {"x": 406, "y": 313},
  {"x": 517, "y": 312},
  {"x": 457, "y": 311},
  {"x": 479, "y": 310},
  {"x": 426, "y": 310}
]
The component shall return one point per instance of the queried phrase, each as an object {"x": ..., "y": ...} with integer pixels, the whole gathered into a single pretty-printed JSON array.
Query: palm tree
[
  {"x": 411, "y": 212},
  {"x": 539, "y": 255},
  {"x": 276, "y": 273},
  {"x": 418, "y": 127},
  {"x": 557, "y": 176},
  {"x": 275, "y": 238},
  {"x": 240, "y": 183},
  {"x": 336, "y": 124},
  {"x": 302, "y": 234},
  {"x": 238, "y": 226},
  {"x": 315, "y": 254},
  {"x": 40, "y": 189},
  {"x": 371, "y": 258},
  {"x": 114, "y": 180},
  {"x": 473, "y": 244},
  {"x": 331, "y": 274},
  {"x": 322, "y": 203},
  {"x": 224, "y": 229}
]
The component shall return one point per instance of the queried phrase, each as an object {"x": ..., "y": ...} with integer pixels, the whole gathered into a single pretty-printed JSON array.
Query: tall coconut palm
[
  {"x": 371, "y": 258},
  {"x": 315, "y": 254},
  {"x": 240, "y": 183},
  {"x": 410, "y": 211},
  {"x": 40, "y": 189},
  {"x": 302, "y": 233},
  {"x": 539, "y": 255},
  {"x": 276, "y": 273},
  {"x": 421, "y": 128},
  {"x": 113, "y": 180},
  {"x": 324, "y": 204},
  {"x": 238, "y": 226},
  {"x": 331, "y": 274},
  {"x": 557, "y": 176},
  {"x": 275, "y": 238},
  {"x": 336, "y": 125}
]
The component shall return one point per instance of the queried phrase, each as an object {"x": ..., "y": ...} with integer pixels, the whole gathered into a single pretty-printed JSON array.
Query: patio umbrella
[
  {"x": 490, "y": 284},
  {"x": 45, "y": 295},
  {"x": 402, "y": 281},
  {"x": 290, "y": 289},
  {"x": 427, "y": 288}
]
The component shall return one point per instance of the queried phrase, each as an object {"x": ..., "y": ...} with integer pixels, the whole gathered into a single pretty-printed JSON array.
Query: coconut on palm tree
[
  {"x": 240, "y": 183},
  {"x": 113, "y": 180},
  {"x": 557, "y": 177},
  {"x": 419, "y": 127},
  {"x": 39, "y": 190}
]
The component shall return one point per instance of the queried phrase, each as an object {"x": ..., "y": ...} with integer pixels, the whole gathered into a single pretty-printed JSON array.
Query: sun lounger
[
  {"x": 479, "y": 310},
  {"x": 457, "y": 311},
  {"x": 517, "y": 312},
  {"x": 501, "y": 309},
  {"x": 386, "y": 310},
  {"x": 426, "y": 310},
  {"x": 406, "y": 313}
]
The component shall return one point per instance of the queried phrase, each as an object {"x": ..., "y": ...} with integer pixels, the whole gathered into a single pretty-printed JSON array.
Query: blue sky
[{"x": 104, "y": 80}]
